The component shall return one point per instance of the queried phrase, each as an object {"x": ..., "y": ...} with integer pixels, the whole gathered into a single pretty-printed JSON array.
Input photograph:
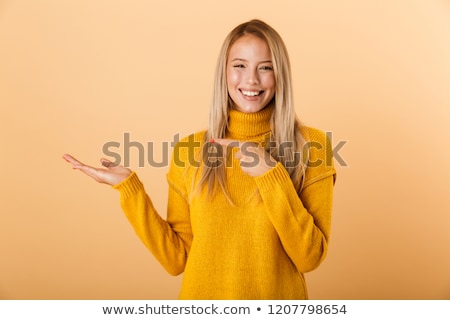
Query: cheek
[
  {"x": 232, "y": 78},
  {"x": 269, "y": 82}
]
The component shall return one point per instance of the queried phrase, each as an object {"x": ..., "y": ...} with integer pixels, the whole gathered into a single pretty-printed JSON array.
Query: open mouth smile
[{"x": 251, "y": 93}]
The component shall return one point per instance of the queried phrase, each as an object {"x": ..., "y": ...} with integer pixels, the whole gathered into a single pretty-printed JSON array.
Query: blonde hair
[{"x": 285, "y": 126}]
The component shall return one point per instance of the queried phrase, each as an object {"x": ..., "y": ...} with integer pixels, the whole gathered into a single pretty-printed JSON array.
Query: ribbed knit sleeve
[
  {"x": 169, "y": 241},
  {"x": 302, "y": 222}
]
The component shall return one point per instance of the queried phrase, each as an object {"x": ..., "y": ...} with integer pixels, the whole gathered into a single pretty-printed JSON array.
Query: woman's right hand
[{"x": 112, "y": 174}]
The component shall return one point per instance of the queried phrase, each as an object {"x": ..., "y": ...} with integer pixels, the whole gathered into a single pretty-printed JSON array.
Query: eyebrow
[{"x": 240, "y": 59}]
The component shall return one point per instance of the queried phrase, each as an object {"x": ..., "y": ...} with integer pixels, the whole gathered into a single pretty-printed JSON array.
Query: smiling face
[{"x": 250, "y": 75}]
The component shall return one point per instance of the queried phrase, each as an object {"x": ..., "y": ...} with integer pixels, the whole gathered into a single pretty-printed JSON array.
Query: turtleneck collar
[{"x": 249, "y": 125}]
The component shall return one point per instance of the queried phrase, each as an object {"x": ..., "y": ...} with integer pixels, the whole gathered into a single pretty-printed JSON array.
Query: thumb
[{"x": 107, "y": 163}]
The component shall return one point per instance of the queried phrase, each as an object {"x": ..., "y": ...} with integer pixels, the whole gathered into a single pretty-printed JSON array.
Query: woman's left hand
[{"x": 254, "y": 160}]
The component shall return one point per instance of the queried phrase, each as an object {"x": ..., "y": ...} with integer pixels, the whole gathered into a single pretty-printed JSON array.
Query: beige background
[{"x": 77, "y": 74}]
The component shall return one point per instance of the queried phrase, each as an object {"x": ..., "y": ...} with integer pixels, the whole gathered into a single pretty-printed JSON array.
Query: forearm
[
  {"x": 302, "y": 223},
  {"x": 156, "y": 233}
]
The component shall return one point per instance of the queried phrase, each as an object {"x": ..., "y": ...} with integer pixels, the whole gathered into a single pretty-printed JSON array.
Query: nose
[{"x": 253, "y": 77}]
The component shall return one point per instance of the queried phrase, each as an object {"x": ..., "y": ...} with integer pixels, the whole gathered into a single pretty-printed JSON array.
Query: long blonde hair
[{"x": 285, "y": 126}]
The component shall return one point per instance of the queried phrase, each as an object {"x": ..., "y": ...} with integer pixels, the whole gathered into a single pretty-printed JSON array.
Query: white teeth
[{"x": 250, "y": 93}]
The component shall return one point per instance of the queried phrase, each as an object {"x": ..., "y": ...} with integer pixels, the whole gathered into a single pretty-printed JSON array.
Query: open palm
[{"x": 111, "y": 174}]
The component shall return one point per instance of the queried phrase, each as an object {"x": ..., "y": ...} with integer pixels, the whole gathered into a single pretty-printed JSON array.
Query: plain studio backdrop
[{"x": 75, "y": 75}]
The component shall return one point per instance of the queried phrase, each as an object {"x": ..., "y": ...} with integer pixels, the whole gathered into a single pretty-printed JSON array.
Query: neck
[{"x": 249, "y": 126}]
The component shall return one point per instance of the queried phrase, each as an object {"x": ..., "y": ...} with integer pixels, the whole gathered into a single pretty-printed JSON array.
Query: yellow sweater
[{"x": 257, "y": 249}]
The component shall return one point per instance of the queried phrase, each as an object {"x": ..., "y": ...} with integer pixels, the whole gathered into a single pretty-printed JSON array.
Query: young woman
[{"x": 250, "y": 199}]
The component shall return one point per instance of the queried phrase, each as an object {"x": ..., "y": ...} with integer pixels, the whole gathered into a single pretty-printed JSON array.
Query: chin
[{"x": 250, "y": 109}]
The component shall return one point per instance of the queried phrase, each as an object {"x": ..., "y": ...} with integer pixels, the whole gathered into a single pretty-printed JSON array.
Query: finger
[
  {"x": 106, "y": 163},
  {"x": 238, "y": 155},
  {"x": 72, "y": 160},
  {"x": 91, "y": 171},
  {"x": 80, "y": 165}
]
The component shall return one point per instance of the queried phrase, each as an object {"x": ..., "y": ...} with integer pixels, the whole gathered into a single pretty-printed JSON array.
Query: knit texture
[{"x": 256, "y": 247}]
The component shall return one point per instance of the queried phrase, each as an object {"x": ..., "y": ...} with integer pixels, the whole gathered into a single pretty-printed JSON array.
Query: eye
[
  {"x": 239, "y": 66},
  {"x": 266, "y": 68}
]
